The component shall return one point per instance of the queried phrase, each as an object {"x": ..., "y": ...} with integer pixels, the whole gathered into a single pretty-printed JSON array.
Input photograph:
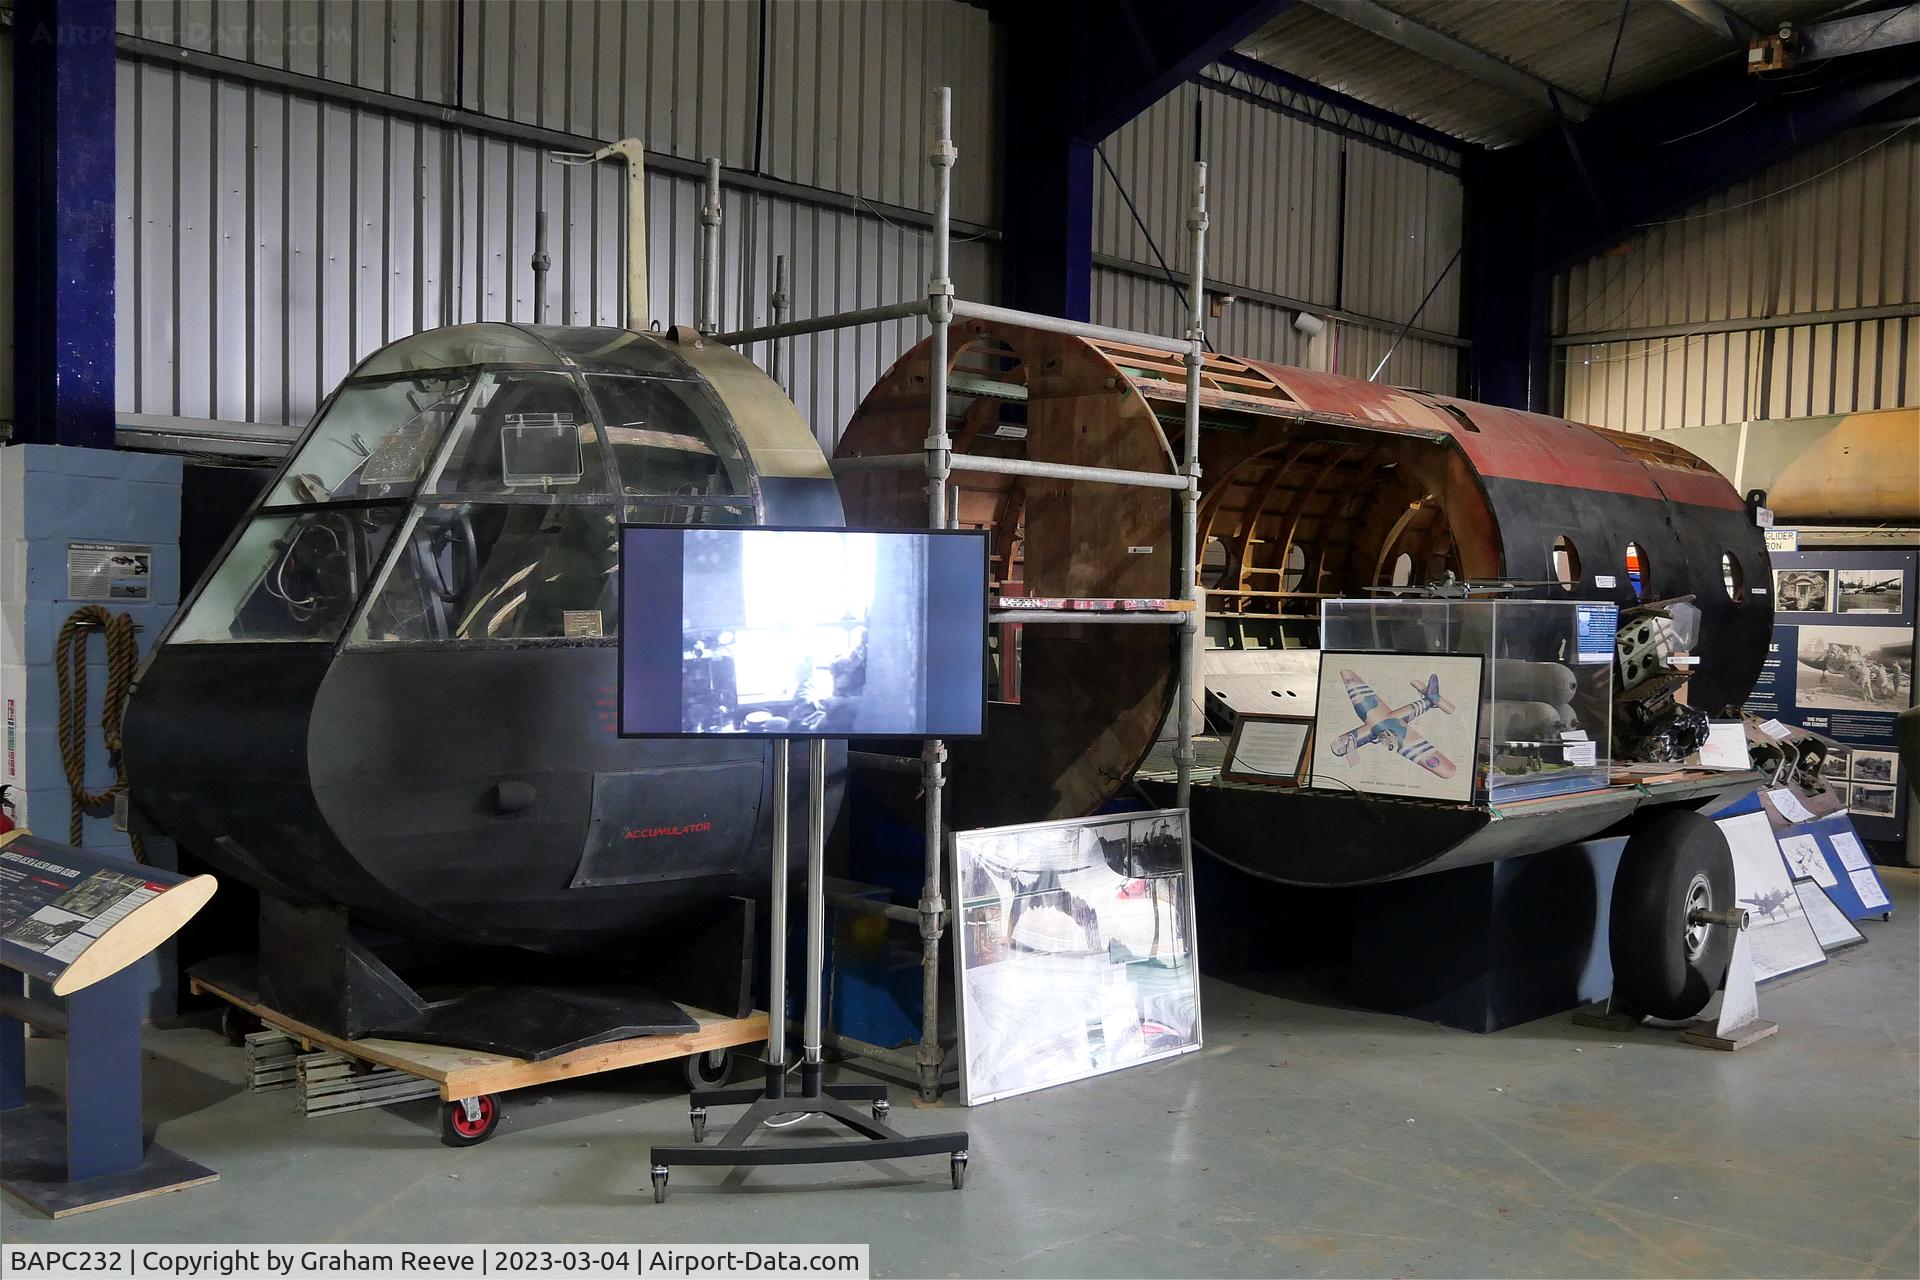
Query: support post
[
  {"x": 631, "y": 150},
  {"x": 103, "y": 1078},
  {"x": 541, "y": 263},
  {"x": 777, "y": 924},
  {"x": 939, "y": 446},
  {"x": 1190, "y": 630},
  {"x": 13, "y": 1045},
  {"x": 816, "y": 916},
  {"x": 777, "y": 348},
  {"x": 710, "y": 216},
  {"x": 62, "y": 193}
]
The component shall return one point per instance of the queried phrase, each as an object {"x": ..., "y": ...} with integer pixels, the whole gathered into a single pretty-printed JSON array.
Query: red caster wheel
[{"x": 467, "y": 1121}]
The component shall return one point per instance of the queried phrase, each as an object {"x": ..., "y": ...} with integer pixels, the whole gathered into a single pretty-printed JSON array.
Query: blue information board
[{"x": 1841, "y": 664}]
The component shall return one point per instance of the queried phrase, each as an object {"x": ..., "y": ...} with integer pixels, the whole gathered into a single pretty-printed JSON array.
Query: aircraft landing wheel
[
  {"x": 467, "y": 1121},
  {"x": 1665, "y": 964}
]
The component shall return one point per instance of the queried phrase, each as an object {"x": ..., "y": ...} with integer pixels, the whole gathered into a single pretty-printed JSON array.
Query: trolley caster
[
  {"x": 708, "y": 1070},
  {"x": 881, "y": 1109},
  {"x": 699, "y": 1117},
  {"x": 659, "y": 1184},
  {"x": 959, "y": 1170},
  {"x": 466, "y": 1121}
]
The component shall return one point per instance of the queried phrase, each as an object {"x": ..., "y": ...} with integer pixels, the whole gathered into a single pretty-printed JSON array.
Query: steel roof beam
[
  {"x": 1859, "y": 32},
  {"x": 1369, "y": 15},
  {"x": 1719, "y": 19}
]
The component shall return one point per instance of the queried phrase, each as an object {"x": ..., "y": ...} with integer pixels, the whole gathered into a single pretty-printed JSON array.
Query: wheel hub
[{"x": 1699, "y": 899}]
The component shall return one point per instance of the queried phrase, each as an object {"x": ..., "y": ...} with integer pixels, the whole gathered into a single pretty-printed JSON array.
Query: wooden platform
[{"x": 468, "y": 1073}]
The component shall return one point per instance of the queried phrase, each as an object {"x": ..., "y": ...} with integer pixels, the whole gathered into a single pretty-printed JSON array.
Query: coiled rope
[{"x": 70, "y": 667}]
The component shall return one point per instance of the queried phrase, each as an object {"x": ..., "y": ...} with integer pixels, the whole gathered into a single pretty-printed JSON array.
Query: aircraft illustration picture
[
  {"x": 1394, "y": 727},
  {"x": 1768, "y": 903}
]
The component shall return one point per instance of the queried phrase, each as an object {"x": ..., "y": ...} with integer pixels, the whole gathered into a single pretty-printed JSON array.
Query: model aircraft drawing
[
  {"x": 1769, "y": 903},
  {"x": 1378, "y": 723}
]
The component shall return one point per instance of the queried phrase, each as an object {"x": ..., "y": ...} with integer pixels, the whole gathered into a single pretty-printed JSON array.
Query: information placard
[{"x": 71, "y": 917}]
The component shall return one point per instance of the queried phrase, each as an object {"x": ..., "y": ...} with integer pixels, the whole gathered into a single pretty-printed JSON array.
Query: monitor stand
[{"x": 876, "y": 1140}]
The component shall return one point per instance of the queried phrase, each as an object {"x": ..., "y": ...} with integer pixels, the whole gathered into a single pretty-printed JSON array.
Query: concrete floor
[{"x": 1304, "y": 1140}]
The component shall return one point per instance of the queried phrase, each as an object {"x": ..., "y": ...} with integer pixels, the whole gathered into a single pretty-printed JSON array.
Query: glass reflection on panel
[
  {"x": 290, "y": 577},
  {"x": 668, "y": 437},
  {"x": 497, "y": 571},
  {"x": 524, "y": 434},
  {"x": 374, "y": 442}
]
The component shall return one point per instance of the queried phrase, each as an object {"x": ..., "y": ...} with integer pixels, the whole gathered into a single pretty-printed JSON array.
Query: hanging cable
[
  {"x": 70, "y": 670},
  {"x": 1172, "y": 279}
]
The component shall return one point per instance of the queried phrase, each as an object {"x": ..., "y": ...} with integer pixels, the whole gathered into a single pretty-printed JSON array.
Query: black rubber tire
[
  {"x": 457, "y": 1131},
  {"x": 237, "y": 1024},
  {"x": 709, "y": 1070},
  {"x": 1666, "y": 863}
]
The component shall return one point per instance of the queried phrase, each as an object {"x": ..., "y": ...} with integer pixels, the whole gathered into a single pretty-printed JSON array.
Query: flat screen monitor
[{"x": 802, "y": 633}]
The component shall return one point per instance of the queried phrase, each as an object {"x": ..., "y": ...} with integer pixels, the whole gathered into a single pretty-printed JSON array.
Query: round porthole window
[
  {"x": 1213, "y": 565},
  {"x": 1731, "y": 578},
  {"x": 1637, "y": 570},
  {"x": 1296, "y": 569},
  {"x": 1566, "y": 563}
]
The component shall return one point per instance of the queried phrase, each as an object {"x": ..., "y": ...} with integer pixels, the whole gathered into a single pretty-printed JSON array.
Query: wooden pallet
[
  {"x": 272, "y": 1061},
  {"x": 468, "y": 1073},
  {"x": 331, "y": 1083}
]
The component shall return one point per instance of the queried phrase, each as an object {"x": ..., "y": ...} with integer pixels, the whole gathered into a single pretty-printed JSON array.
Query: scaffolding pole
[
  {"x": 710, "y": 216},
  {"x": 1190, "y": 499},
  {"x": 939, "y": 446},
  {"x": 942, "y": 308},
  {"x": 776, "y": 348}
]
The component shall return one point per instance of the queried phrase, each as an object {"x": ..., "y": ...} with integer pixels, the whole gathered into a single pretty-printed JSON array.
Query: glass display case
[{"x": 1546, "y": 685}]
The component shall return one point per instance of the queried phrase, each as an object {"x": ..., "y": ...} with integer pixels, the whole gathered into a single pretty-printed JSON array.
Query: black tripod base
[{"x": 877, "y": 1141}]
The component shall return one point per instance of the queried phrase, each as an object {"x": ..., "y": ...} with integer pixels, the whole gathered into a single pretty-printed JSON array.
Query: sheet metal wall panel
[
  {"x": 1279, "y": 219},
  {"x": 1833, "y": 228},
  {"x": 847, "y": 103},
  {"x": 1404, "y": 224},
  {"x": 270, "y": 241},
  {"x": 395, "y": 46}
]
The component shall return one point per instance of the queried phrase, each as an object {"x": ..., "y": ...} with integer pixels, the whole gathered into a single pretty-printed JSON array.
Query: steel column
[{"x": 63, "y": 182}]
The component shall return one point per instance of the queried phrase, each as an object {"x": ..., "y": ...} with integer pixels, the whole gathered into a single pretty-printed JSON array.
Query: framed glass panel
[
  {"x": 374, "y": 441},
  {"x": 669, "y": 438},
  {"x": 482, "y": 571},
  {"x": 290, "y": 577},
  {"x": 525, "y": 434}
]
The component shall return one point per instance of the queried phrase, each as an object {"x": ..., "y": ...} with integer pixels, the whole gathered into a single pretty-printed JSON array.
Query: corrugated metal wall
[
  {"x": 270, "y": 239},
  {"x": 1836, "y": 229},
  {"x": 1297, "y": 210}
]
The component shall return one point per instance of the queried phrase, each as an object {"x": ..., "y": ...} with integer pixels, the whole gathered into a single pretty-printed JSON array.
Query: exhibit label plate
[{"x": 109, "y": 571}]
